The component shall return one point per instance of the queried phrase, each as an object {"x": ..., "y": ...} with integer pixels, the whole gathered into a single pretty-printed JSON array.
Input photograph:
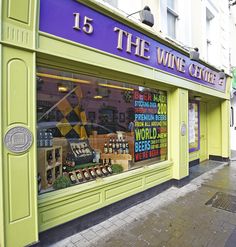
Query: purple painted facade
[{"x": 57, "y": 18}]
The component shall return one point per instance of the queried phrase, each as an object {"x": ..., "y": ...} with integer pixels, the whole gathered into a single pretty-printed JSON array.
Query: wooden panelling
[
  {"x": 17, "y": 92},
  {"x": 19, "y": 198},
  {"x": 20, "y": 14},
  {"x": 78, "y": 205},
  {"x": 158, "y": 177},
  {"x": 122, "y": 190},
  {"x": 71, "y": 203}
]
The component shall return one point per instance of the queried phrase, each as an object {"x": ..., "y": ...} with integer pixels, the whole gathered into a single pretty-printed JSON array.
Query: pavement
[{"x": 177, "y": 217}]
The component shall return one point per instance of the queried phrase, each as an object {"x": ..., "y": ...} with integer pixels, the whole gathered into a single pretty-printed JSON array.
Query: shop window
[
  {"x": 91, "y": 127},
  {"x": 193, "y": 126}
]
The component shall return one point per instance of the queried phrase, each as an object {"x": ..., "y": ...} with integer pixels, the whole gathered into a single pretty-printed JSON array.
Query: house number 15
[{"x": 86, "y": 26}]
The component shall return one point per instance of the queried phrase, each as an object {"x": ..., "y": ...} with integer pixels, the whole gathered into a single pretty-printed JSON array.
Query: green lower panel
[{"x": 61, "y": 206}]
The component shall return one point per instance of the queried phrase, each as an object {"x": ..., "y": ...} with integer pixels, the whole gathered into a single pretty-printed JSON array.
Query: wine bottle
[
  {"x": 109, "y": 169},
  {"x": 92, "y": 172},
  {"x": 72, "y": 178},
  {"x": 117, "y": 144},
  {"x": 57, "y": 155},
  {"x": 104, "y": 170},
  {"x": 74, "y": 151},
  {"x": 126, "y": 147},
  {"x": 57, "y": 171},
  {"x": 105, "y": 148},
  {"x": 121, "y": 147},
  {"x": 86, "y": 174},
  {"x": 110, "y": 148},
  {"x": 123, "y": 143},
  {"x": 49, "y": 158},
  {"x": 113, "y": 145},
  {"x": 108, "y": 166},
  {"x": 49, "y": 177},
  {"x": 98, "y": 171},
  {"x": 79, "y": 175}
]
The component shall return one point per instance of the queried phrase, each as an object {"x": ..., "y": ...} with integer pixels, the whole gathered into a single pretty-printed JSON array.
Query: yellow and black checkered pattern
[{"x": 73, "y": 119}]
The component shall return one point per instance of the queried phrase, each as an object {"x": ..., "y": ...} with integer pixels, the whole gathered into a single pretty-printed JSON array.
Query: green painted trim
[
  {"x": 61, "y": 206},
  {"x": 214, "y": 128},
  {"x": 2, "y": 230},
  {"x": 19, "y": 170},
  {"x": 225, "y": 134},
  {"x": 178, "y": 101},
  {"x": 61, "y": 48}
]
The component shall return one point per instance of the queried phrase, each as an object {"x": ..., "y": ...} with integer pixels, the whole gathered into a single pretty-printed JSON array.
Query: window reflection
[{"x": 91, "y": 127}]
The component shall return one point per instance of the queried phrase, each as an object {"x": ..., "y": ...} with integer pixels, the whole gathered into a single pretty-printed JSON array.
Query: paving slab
[{"x": 176, "y": 217}]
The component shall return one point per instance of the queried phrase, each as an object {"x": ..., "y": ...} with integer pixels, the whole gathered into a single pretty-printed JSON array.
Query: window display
[
  {"x": 193, "y": 122},
  {"x": 90, "y": 127}
]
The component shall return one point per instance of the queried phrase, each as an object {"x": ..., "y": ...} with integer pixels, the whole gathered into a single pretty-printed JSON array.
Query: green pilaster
[
  {"x": 225, "y": 122},
  {"x": 178, "y": 101},
  {"x": 18, "y": 189}
]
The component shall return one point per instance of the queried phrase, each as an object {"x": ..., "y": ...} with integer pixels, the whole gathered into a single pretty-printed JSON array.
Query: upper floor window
[
  {"x": 113, "y": 3},
  {"x": 209, "y": 33},
  {"x": 171, "y": 18}
]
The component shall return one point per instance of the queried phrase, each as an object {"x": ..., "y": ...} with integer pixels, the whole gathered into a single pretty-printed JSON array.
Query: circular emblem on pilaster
[{"x": 18, "y": 139}]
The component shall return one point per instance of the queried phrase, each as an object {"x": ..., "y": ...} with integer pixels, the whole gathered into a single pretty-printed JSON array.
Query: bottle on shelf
[
  {"x": 49, "y": 158},
  {"x": 110, "y": 148},
  {"x": 50, "y": 139},
  {"x": 113, "y": 144},
  {"x": 46, "y": 139},
  {"x": 120, "y": 146},
  {"x": 57, "y": 171},
  {"x": 86, "y": 174},
  {"x": 79, "y": 175},
  {"x": 108, "y": 166},
  {"x": 82, "y": 150},
  {"x": 57, "y": 155},
  {"x": 117, "y": 143},
  {"x": 49, "y": 177},
  {"x": 127, "y": 147},
  {"x": 104, "y": 170},
  {"x": 75, "y": 151},
  {"x": 86, "y": 149},
  {"x": 92, "y": 172},
  {"x": 98, "y": 171},
  {"x": 40, "y": 139},
  {"x": 105, "y": 149},
  {"x": 123, "y": 143},
  {"x": 72, "y": 177}
]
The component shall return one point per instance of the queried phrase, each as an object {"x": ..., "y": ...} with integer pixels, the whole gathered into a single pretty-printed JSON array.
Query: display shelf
[
  {"x": 122, "y": 159},
  {"x": 49, "y": 172},
  {"x": 116, "y": 156}
]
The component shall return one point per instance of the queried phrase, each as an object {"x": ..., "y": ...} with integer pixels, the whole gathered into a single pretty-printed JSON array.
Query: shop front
[{"x": 96, "y": 108}]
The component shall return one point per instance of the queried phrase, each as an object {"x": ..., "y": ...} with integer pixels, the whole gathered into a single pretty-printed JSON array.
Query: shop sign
[{"x": 74, "y": 21}]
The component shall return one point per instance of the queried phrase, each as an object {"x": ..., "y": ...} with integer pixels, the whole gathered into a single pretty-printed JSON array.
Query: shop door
[
  {"x": 233, "y": 126},
  {"x": 203, "y": 131}
]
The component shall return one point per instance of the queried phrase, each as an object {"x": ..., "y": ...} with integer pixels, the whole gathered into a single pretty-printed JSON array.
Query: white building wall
[{"x": 209, "y": 25}]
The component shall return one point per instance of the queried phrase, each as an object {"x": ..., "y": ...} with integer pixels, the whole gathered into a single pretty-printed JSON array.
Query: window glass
[
  {"x": 171, "y": 4},
  {"x": 91, "y": 127},
  {"x": 112, "y": 2},
  {"x": 171, "y": 24}
]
